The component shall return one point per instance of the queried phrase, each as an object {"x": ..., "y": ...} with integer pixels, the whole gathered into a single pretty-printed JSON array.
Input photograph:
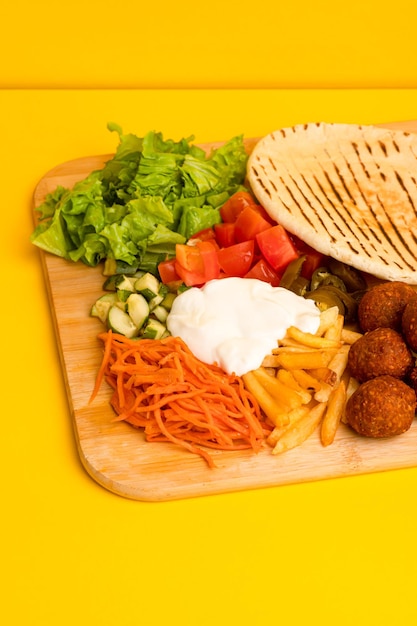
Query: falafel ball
[
  {"x": 382, "y": 407},
  {"x": 409, "y": 324},
  {"x": 379, "y": 352},
  {"x": 411, "y": 379},
  {"x": 383, "y": 305}
]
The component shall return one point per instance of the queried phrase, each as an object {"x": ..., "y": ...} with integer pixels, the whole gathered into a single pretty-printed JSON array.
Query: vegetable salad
[{"x": 153, "y": 194}]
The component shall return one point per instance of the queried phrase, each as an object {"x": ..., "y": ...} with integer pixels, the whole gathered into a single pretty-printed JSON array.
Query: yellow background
[
  {"x": 250, "y": 43},
  {"x": 340, "y": 551}
]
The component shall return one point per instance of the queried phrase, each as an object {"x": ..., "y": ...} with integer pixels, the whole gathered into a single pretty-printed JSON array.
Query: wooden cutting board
[{"x": 117, "y": 456}]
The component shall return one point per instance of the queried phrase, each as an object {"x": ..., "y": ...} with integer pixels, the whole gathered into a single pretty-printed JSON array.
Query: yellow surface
[
  {"x": 251, "y": 43},
  {"x": 333, "y": 552}
]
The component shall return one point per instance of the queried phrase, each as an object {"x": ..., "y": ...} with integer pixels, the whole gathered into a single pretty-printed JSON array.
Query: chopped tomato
[
  {"x": 235, "y": 205},
  {"x": 276, "y": 247},
  {"x": 264, "y": 214},
  {"x": 248, "y": 243},
  {"x": 189, "y": 257},
  {"x": 263, "y": 271},
  {"x": 197, "y": 264},
  {"x": 207, "y": 234},
  {"x": 209, "y": 253},
  {"x": 236, "y": 260},
  {"x": 225, "y": 234},
  {"x": 313, "y": 259},
  {"x": 249, "y": 223},
  {"x": 167, "y": 271}
]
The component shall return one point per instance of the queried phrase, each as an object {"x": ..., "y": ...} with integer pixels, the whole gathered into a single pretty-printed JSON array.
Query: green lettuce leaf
[
  {"x": 51, "y": 236},
  {"x": 194, "y": 219},
  {"x": 152, "y": 194}
]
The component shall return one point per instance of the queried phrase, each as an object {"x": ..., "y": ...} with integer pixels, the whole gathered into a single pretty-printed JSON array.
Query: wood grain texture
[{"x": 116, "y": 455}]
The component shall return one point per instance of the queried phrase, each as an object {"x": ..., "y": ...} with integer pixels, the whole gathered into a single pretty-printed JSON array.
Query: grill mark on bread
[
  {"x": 353, "y": 200},
  {"x": 342, "y": 204},
  {"x": 387, "y": 237},
  {"x": 363, "y": 232},
  {"x": 269, "y": 180},
  {"x": 306, "y": 209},
  {"x": 338, "y": 213},
  {"x": 302, "y": 208},
  {"x": 272, "y": 164},
  {"x": 365, "y": 197},
  {"x": 383, "y": 147},
  {"x": 407, "y": 193},
  {"x": 309, "y": 207},
  {"x": 261, "y": 182},
  {"x": 389, "y": 249}
]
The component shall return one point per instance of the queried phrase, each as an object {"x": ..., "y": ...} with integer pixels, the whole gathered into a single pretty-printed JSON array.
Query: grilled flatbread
[{"x": 349, "y": 191}]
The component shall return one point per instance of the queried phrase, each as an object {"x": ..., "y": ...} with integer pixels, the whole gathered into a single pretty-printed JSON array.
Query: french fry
[
  {"x": 333, "y": 415},
  {"x": 324, "y": 374},
  {"x": 310, "y": 340},
  {"x": 350, "y": 336},
  {"x": 328, "y": 318},
  {"x": 323, "y": 394},
  {"x": 306, "y": 380},
  {"x": 271, "y": 361},
  {"x": 337, "y": 366},
  {"x": 285, "y": 396},
  {"x": 287, "y": 378},
  {"x": 339, "y": 362},
  {"x": 293, "y": 416},
  {"x": 286, "y": 345},
  {"x": 300, "y": 430},
  {"x": 334, "y": 332},
  {"x": 352, "y": 386},
  {"x": 305, "y": 360},
  {"x": 276, "y": 412},
  {"x": 271, "y": 371}
]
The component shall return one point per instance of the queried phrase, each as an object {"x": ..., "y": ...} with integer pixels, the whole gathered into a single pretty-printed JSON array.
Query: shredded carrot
[{"x": 160, "y": 386}]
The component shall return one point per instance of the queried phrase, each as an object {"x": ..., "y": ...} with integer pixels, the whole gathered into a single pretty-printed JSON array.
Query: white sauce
[{"x": 236, "y": 322}]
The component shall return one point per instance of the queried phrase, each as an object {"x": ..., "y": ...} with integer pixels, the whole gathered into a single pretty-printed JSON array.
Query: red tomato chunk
[
  {"x": 235, "y": 205},
  {"x": 225, "y": 234},
  {"x": 197, "y": 264},
  {"x": 249, "y": 223},
  {"x": 167, "y": 271},
  {"x": 237, "y": 260},
  {"x": 262, "y": 271},
  {"x": 276, "y": 247},
  {"x": 247, "y": 243}
]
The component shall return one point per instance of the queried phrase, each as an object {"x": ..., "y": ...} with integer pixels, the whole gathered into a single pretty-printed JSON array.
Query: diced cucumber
[
  {"x": 155, "y": 301},
  {"x": 102, "y": 306},
  {"x": 120, "y": 322},
  {"x": 168, "y": 300},
  {"x": 136, "y": 305},
  {"x": 125, "y": 283},
  {"x": 163, "y": 290},
  {"x": 110, "y": 283},
  {"x": 153, "y": 330},
  {"x": 138, "y": 309},
  {"x": 123, "y": 294},
  {"x": 160, "y": 313},
  {"x": 110, "y": 267},
  {"x": 148, "y": 285}
]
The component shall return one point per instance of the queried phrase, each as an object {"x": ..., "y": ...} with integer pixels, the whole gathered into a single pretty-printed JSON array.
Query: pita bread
[{"x": 349, "y": 191}]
